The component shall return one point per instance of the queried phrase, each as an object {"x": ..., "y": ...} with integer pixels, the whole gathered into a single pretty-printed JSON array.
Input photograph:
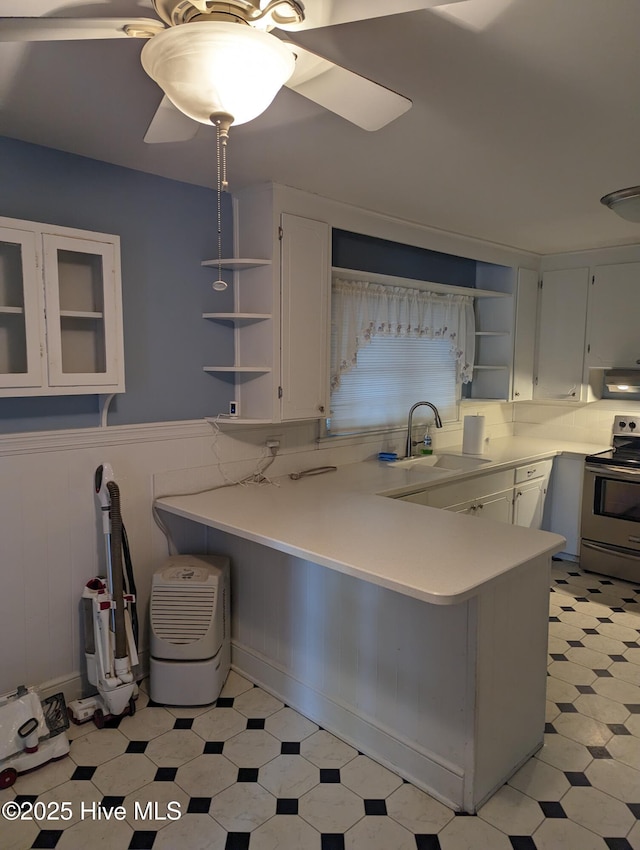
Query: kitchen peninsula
[{"x": 418, "y": 635}]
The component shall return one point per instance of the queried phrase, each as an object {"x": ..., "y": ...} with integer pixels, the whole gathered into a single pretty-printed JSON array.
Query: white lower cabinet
[
  {"x": 60, "y": 311},
  {"x": 514, "y": 496},
  {"x": 476, "y": 487},
  {"x": 497, "y": 507},
  {"x": 563, "y": 508},
  {"x": 531, "y": 484},
  {"x": 528, "y": 503}
]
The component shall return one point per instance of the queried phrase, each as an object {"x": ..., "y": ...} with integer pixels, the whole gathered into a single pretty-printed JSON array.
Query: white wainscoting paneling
[{"x": 51, "y": 539}]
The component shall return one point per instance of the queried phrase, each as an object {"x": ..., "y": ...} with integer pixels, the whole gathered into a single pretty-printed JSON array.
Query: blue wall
[
  {"x": 370, "y": 254},
  {"x": 166, "y": 228}
]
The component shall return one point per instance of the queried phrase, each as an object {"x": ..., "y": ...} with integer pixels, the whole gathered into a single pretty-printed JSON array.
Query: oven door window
[{"x": 619, "y": 499}]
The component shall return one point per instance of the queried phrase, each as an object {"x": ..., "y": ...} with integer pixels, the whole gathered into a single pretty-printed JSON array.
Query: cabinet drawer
[
  {"x": 470, "y": 488},
  {"x": 541, "y": 469}
]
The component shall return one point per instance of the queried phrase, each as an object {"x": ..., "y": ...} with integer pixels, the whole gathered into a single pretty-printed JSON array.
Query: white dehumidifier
[{"x": 190, "y": 642}]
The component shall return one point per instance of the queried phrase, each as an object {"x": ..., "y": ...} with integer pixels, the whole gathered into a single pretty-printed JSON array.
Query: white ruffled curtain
[{"x": 361, "y": 310}]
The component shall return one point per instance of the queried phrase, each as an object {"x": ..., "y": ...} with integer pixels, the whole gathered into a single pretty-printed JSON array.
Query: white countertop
[{"x": 340, "y": 520}]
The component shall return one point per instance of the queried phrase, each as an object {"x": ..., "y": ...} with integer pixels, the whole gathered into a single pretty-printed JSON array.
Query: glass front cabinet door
[
  {"x": 21, "y": 311},
  {"x": 60, "y": 312},
  {"x": 79, "y": 278}
]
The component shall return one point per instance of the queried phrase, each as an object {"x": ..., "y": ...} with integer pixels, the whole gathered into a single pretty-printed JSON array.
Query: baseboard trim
[{"x": 422, "y": 768}]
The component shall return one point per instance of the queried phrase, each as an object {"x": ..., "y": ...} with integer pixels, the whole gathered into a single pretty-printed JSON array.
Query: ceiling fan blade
[
  {"x": 325, "y": 13},
  {"x": 170, "y": 125},
  {"x": 355, "y": 98},
  {"x": 475, "y": 15},
  {"x": 71, "y": 29}
]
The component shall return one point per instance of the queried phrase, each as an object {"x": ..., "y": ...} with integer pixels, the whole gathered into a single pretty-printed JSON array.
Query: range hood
[{"x": 622, "y": 380}]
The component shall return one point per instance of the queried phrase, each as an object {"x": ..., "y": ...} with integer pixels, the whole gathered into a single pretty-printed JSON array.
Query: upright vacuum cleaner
[{"x": 110, "y": 622}]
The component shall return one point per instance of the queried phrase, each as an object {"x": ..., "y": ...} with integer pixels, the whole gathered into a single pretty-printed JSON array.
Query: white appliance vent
[
  {"x": 189, "y": 617},
  {"x": 182, "y": 615},
  {"x": 188, "y": 608}
]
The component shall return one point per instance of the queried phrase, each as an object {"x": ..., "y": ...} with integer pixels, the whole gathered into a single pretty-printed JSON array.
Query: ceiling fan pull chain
[
  {"x": 225, "y": 184},
  {"x": 219, "y": 285},
  {"x": 219, "y": 190}
]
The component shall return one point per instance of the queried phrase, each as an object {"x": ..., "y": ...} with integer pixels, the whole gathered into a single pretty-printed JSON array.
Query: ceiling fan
[{"x": 223, "y": 62}]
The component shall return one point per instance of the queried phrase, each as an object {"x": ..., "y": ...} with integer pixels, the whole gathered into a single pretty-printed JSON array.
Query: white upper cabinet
[
  {"x": 561, "y": 335},
  {"x": 60, "y": 311},
  {"x": 281, "y": 311},
  {"x": 614, "y": 305},
  {"x": 82, "y": 312},
  {"x": 525, "y": 334},
  {"x": 305, "y": 317},
  {"x": 281, "y": 307},
  {"x": 21, "y": 313}
]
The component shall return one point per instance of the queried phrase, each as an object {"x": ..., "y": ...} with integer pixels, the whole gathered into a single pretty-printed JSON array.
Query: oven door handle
[
  {"x": 621, "y": 472},
  {"x": 611, "y": 549}
]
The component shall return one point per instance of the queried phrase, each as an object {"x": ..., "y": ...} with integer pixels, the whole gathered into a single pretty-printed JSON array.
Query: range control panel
[{"x": 626, "y": 425}]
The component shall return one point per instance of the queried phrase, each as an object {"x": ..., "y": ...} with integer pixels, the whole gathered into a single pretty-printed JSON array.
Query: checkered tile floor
[{"x": 252, "y": 774}]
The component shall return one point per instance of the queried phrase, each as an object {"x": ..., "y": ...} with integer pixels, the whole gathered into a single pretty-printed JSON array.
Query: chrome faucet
[{"x": 410, "y": 441}]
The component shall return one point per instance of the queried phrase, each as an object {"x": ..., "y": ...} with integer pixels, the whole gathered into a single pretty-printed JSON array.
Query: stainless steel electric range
[{"x": 610, "y": 532}]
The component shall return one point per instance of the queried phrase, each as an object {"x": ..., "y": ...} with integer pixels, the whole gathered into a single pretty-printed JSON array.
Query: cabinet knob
[
  {"x": 321, "y": 408},
  {"x": 516, "y": 394}
]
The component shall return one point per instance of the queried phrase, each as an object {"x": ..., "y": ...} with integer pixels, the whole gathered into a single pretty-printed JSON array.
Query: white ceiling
[{"x": 524, "y": 114}]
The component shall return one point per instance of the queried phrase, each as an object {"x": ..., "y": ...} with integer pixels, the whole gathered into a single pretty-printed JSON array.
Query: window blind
[{"x": 392, "y": 374}]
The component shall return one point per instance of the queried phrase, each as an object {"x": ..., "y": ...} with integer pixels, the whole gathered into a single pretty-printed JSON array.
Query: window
[
  {"x": 392, "y": 374},
  {"x": 393, "y": 346}
]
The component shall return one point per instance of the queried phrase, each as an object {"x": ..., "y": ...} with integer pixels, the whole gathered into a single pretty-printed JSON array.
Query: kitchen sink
[{"x": 453, "y": 462}]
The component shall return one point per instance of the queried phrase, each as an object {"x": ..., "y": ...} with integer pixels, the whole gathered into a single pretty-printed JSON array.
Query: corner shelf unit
[
  {"x": 494, "y": 333},
  {"x": 240, "y": 370},
  {"x": 233, "y": 264},
  {"x": 225, "y": 419},
  {"x": 251, "y": 319},
  {"x": 237, "y": 318}
]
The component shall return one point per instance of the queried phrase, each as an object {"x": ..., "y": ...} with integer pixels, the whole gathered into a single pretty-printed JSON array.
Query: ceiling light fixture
[
  {"x": 219, "y": 73},
  {"x": 209, "y": 69},
  {"x": 624, "y": 202}
]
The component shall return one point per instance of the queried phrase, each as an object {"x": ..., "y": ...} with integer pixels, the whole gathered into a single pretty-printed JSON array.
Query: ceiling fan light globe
[{"x": 210, "y": 67}]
